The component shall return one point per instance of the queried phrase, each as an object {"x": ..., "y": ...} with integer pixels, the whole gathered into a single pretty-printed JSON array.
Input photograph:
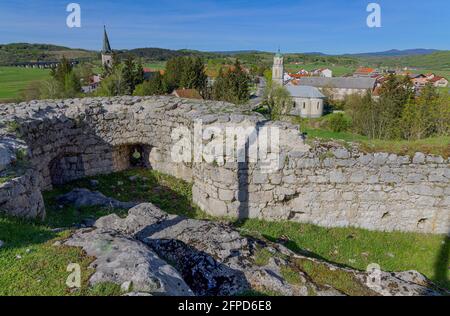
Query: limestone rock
[
  {"x": 214, "y": 259},
  {"x": 6, "y": 157},
  {"x": 122, "y": 260},
  {"x": 84, "y": 197}
]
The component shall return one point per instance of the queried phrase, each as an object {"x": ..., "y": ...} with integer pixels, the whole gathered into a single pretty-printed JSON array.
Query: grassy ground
[
  {"x": 13, "y": 80},
  {"x": 317, "y": 129},
  {"x": 31, "y": 265},
  {"x": 156, "y": 65},
  {"x": 436, "y": 146}
]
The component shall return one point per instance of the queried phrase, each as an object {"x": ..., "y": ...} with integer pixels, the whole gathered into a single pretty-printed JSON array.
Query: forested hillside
[{"x": 24, "y": 52}]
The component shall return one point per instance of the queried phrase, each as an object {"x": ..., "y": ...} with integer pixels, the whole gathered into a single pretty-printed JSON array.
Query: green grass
[
  {"x": 439, "y": 146},
  {"x": 156, "y": 65},
  {"x": 13, "y": 80},
  {"x": 316, "y": 129},
  {"x": 262, "y": 257},
  {"x": 343, "y": 281},
  {"x": 291, "y": 275},
  {"x": 42, "y": 267},
  {"x": 357, "y": 248},
  {"x": 32, "y": 266}
]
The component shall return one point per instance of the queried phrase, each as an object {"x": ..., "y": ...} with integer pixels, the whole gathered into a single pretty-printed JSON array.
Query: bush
[{"x": 339, "y": 123}]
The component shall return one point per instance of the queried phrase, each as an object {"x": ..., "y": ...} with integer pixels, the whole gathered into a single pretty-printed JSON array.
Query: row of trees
[
  {"x": 127, "y": 78},
  {"x": 231, "y": 85},
  {"x": 398, "y": 114}
]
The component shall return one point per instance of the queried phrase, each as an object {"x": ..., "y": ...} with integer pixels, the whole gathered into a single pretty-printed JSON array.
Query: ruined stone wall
[
  {"x": 332, "y": 186},
  {"x": 326, "y": 184}
]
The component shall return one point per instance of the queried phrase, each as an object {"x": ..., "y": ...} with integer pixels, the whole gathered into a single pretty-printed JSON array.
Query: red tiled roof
[
  {"x": 298, "y": 75},
  {"x": 365, "y": 70},
  {"x": 437, "y": 78}
]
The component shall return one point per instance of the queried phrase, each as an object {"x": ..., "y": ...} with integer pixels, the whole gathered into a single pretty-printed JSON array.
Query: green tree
[
  {"x": 65, "y": 83},
  {"x": 112, "y": 85},
  {"x": 72, "y": 86},
  {"x": 419, "y": 119},
  {"x": 154, "y": 86},
  {"x": 232, "y": 85},
  {"x": 84, "y": 72},
  {"x": 186, "y": 72},
  {"x": 128, "y": 76},
  {"x": 51, "y": 89},
  {"x": 278, "y": 100},
  {"x": 442, "y": 116},
  {"x": 63, "y": 68}
]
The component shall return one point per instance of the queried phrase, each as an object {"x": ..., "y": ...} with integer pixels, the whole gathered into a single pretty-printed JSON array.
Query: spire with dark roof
[
  {"x": 106, "y": 46},
  {"x": 279, "y": 54}
]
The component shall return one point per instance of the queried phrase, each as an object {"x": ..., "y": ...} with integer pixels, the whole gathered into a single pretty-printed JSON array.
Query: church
[
  {"x": 308, "y": 100},
  {"x": 107, "y": 53}
]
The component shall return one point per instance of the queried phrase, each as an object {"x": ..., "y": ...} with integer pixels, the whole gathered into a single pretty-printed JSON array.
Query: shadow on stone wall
[
  {"x": 243, "y": 176},
  {"x": 442, "y": 264}
]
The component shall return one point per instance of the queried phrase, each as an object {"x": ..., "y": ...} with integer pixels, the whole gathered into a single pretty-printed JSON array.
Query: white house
[{"x": 323, "y": 72}]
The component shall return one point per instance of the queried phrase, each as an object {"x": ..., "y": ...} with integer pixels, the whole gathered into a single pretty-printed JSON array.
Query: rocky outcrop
[
  {"x": 128, "y": 263},
  {"x": 87, "y": 198},
  {"x": 215, "y": 259},
  {"x": 325, "y": 184}
]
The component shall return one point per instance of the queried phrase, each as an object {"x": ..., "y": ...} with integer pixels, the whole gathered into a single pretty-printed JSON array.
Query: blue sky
[{"x": 329, "y": 26}]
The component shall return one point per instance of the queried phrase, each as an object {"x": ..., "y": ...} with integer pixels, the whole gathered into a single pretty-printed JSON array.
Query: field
[
  {"x": 31, "y": 265},
  {"x": 13, "y": 80},
  {"x": 338, "y": 71},
  {"x": 156, "y": 65}
]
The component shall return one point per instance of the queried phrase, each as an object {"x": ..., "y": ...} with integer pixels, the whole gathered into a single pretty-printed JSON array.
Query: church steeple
[
  {"x": 106, "y": 46},
  {"x": 107, "y": 53},
  {"x": 278, "y": 69}
]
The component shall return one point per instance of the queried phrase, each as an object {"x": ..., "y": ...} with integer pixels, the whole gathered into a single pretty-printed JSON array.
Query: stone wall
[
  {"x": 333, "y": 186},
  {"x": 325, "y": 184}
]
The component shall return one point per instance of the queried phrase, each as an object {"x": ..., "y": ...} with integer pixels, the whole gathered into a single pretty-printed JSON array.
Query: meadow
[
  {"x": 13, "y": 80},
  {"x": 32, "y": 265}
]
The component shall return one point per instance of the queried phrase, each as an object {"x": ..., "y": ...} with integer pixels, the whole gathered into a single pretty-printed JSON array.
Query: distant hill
[
  {"x": 24, "y": 52},
  {"x": 397, "y": 53},
  {"x": 237, "y": 52},
  {"x": 155, "y": 54},
  {"x": 439, "y": 60},
  {"x": 419, "y": 58}
]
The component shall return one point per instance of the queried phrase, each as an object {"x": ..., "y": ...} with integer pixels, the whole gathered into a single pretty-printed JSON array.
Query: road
[{"x": 258, "y": 97}]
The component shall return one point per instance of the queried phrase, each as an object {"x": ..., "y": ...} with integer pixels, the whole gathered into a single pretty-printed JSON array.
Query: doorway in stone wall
[{"x": 131, "y": 156}]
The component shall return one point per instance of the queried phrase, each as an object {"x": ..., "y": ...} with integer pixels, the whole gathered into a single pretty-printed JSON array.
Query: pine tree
[
  {"x": 232, "y": 86},
  {"x": 59, "y": 73},
  {"x": 128, "y": 76}
]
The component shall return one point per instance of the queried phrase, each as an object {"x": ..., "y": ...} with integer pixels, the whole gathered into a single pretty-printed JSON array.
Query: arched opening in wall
[
  {"x": 66, "y": 168},
  {"x": 131, "y": 156}
]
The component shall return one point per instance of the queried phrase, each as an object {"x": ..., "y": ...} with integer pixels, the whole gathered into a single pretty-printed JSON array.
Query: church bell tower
[
  {"x": 278, "y": 69},
  {"x": 107, "y": 53}
]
